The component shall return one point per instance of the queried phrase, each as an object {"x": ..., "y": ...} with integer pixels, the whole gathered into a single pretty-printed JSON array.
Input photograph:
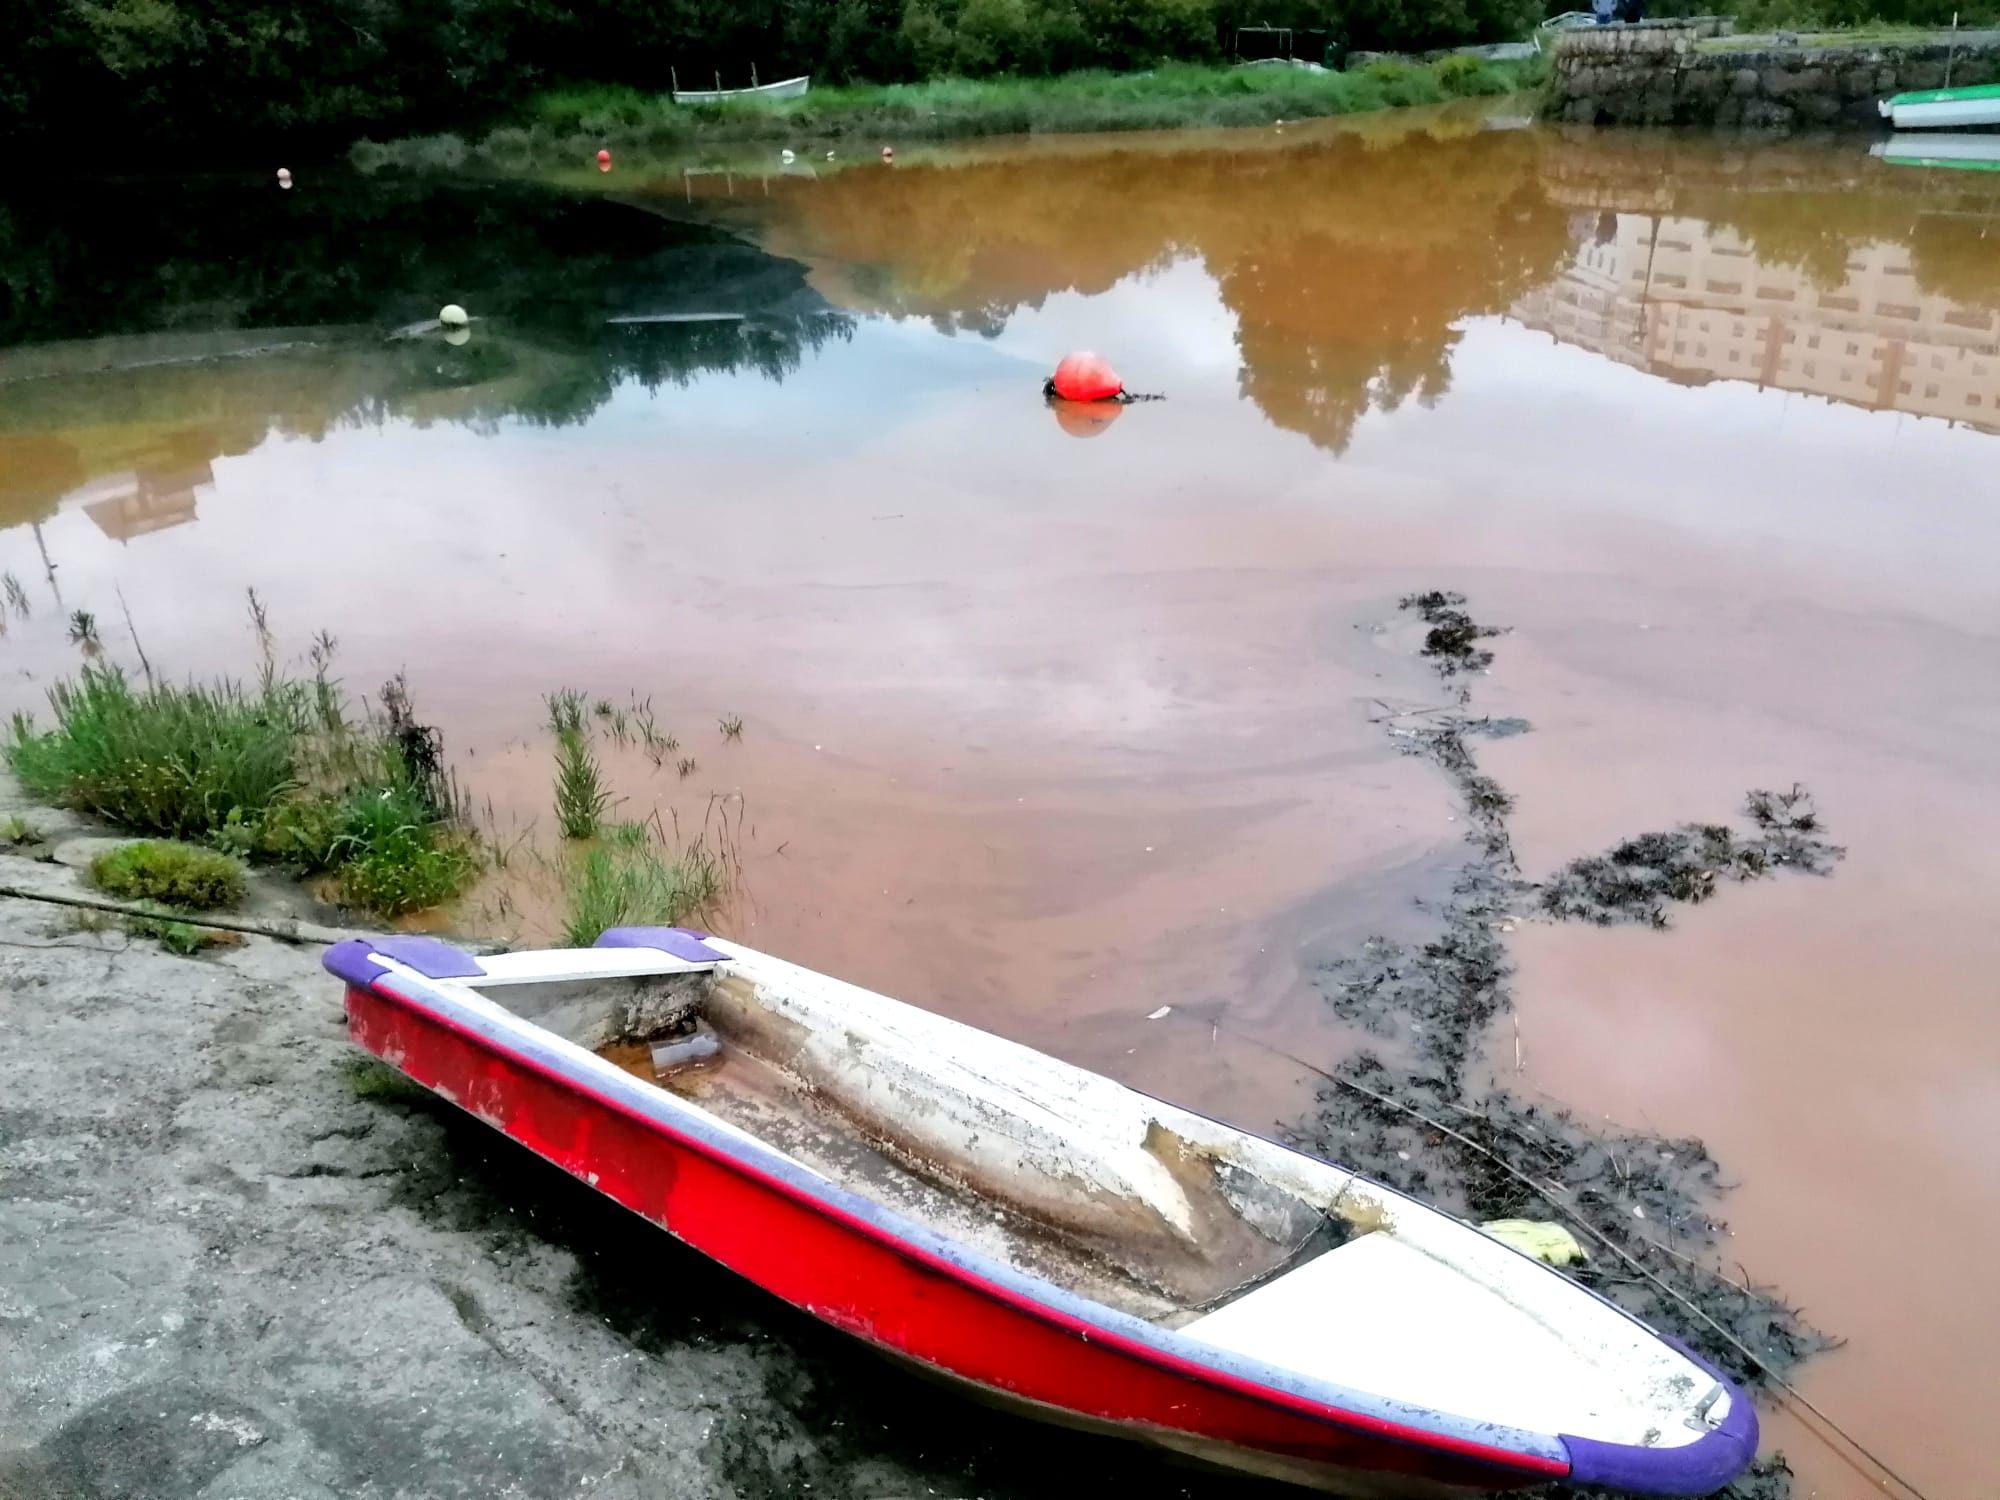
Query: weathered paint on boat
[
  {"x": 911, "y": 1292},
  {"x": 1938, "y": 109}
]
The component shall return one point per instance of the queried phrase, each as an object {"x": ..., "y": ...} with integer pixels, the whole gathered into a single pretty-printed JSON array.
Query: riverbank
[
  {"x": 240, "y": 1259},
  {"x": 574, "y": 123}
]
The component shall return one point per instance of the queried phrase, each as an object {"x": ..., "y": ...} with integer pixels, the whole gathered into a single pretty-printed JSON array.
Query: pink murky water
[{"x": 1049, "y": 724}]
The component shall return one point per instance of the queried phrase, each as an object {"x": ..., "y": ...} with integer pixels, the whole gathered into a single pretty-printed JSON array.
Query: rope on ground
[
  {"x": 1556, "y": 1194},
  {"x": 284, "y": 931}
]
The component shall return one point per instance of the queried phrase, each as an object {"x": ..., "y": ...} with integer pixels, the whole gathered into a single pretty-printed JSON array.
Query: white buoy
[
  {"x": 452, "y": 315},
  {"x": 284, "y": 177},
  {"x": 829, "y": 156},
  {"x": 457, "y": 335},
  {"x": 786, "y": 156}
]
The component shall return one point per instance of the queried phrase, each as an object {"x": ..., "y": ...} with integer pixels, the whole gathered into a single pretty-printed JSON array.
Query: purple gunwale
[
  {"x": 675, "y": 942},
  {"x": 431, "y": 957}
]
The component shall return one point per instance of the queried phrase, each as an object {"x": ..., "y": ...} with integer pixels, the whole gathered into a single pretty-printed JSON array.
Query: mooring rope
[
  {"x": 1558, "y": 1196},
  {"x": 284, "y": 932}
]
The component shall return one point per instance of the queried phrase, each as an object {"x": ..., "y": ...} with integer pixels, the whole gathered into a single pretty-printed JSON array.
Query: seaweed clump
[
  {"x": 1452, "y": 643},
  {"x": 1639, "y": 879}
]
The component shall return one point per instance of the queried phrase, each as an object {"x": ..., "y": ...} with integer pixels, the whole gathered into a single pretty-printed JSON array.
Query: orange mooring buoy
[{"x": 1084, "y": 376}]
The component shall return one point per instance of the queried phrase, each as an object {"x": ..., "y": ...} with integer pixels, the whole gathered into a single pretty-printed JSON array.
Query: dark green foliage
[
  {"x": 183, "y": 875},
  {"x": 254, "y": 80}
]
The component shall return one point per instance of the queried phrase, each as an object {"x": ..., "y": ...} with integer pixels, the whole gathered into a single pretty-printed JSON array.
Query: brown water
[{"x": 1049, "y": 732}]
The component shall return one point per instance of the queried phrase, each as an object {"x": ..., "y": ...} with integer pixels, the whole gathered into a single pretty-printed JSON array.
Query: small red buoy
[
  {"x": 1084, "y": 376},
  {"x": 604, "y": 158}
]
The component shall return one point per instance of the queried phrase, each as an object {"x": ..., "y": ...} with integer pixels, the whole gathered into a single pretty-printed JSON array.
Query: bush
[
  {"x": 1403, "y": 83},
  {"x": 407, "y": 869},
  {"x": 1462, "y": 76},
  {"x": 174, "y": 874}
]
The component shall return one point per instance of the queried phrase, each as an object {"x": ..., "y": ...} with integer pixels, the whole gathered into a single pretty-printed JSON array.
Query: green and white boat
[{"x": 1938, "y": 109}]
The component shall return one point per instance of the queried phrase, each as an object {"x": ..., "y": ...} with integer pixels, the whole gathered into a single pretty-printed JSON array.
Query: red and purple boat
[{"x": 1058, "y": 1241}]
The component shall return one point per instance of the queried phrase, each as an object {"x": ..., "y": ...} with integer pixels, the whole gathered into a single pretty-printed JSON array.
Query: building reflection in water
[
  {"x": 132, "y": 504},
  {"x": 1688, "y": 301}
]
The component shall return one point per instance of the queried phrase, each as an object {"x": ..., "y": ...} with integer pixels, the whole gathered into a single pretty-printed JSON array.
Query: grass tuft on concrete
[{"x": 173, "y": 874}]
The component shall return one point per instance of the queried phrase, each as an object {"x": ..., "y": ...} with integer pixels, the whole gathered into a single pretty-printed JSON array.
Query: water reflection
[
  {"x": 1351, "y": 260},
  {"x": 1346, "y": 260},
  {"x": 135, "y": 363},
  {"x": 1689, "y": 301}
]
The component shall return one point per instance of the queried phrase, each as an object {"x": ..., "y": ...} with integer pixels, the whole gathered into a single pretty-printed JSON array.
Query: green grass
[
  {"x": 572, "y": 122},
  {"x": 168, "y": 760},
  {"x": 1870, "y": 34},
  {"x": 173, "y": 874},
  {"x": 582, "y": 799},
  {"x": 633, "y": 878},
  {"x": 280, "y": 771}
]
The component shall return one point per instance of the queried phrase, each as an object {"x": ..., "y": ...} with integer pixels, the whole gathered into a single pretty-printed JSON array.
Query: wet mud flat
[{"x": 1419, "y": 1105}]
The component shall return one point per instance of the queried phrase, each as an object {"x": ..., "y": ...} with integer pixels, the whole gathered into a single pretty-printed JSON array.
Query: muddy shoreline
[{"x": 319, "y": 1234}]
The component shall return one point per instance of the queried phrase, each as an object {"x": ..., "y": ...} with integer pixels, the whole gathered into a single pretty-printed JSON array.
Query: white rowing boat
[
  {"x": 789, "y": 88},
  {"x": 1045, "y": 1235}
]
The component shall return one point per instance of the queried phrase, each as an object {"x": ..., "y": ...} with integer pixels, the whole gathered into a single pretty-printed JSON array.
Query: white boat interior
[{"x": 1236, "y": 1243}]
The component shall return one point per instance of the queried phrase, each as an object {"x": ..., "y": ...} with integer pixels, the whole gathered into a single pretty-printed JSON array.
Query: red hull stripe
[{"x": 869, "y": 1275}]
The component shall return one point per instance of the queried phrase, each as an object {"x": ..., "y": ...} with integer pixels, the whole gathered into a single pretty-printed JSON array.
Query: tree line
[{"x": 247, "y": 79}]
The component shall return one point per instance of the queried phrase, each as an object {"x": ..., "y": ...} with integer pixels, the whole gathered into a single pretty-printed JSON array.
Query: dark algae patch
[
  {"x": 1416, "y": 1112},
  {"x": 1452, "y": 643},
  {"x": 1640, "y": 878}
]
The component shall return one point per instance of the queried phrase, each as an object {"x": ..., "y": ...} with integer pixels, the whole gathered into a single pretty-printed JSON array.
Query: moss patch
[{"x": 174, "y": 874}]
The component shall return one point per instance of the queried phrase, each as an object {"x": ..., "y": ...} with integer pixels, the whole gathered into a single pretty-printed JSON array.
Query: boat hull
[
  {"x": 924, "y": 1306},
  {"x": 1943, "y": 109},
  {"x": 787, "y": 88}
]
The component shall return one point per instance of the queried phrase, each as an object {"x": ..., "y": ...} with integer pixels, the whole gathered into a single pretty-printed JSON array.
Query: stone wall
[{"x": 1658, "y": 74}]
